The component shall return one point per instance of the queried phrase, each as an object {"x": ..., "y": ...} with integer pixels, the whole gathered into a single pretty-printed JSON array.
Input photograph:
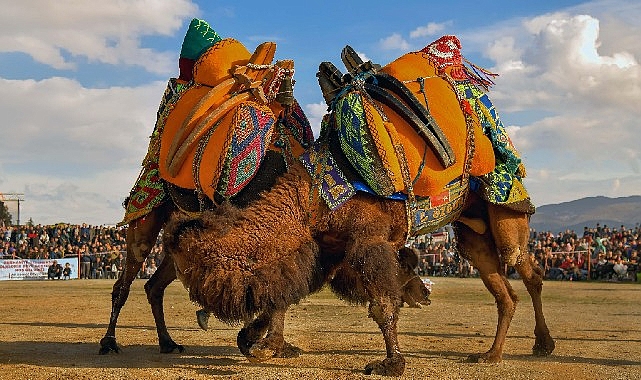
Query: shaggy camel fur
[{"x": 286, "y": 245}]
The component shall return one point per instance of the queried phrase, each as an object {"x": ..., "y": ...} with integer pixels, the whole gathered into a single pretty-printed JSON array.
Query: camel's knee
[
  {"x": 507, "y": 305},
  {"x": 385, "y": 315},
  {"x": 504, "y": 296},
  {"x": 512, "y": 256}
]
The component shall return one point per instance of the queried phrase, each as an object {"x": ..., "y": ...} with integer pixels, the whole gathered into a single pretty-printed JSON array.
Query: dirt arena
[{"x": 51, "y": 330}]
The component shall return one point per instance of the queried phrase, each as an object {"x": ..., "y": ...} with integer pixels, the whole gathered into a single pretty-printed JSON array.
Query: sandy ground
[{"x": 51, "y": 330}]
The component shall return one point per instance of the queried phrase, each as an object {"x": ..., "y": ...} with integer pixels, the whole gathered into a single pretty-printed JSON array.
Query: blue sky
[{"x": 80, "y": 83}]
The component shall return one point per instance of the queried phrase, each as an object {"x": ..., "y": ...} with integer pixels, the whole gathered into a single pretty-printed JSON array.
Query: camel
[
  {"x": 292, "y": 240},
  {"x": 343, "y": 243},
  {"x": 220, "y": 82}
]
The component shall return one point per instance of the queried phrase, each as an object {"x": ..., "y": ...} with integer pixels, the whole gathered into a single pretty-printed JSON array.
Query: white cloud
[
  {"x": 81, "y": 146},
  {"x": 428, "y": 30},
  {"x": 394, "y": 42},
  {"x": 60, "y": 32},
  {"x": 315, "y": 113},
  {"x": 576, "y": 107},
  {"x": 57, "y": 117},
  {"x": 363, "y": 56}
]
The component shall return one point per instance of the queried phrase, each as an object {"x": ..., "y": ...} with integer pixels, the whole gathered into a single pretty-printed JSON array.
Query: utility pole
[{"x": 13, "y": 197}]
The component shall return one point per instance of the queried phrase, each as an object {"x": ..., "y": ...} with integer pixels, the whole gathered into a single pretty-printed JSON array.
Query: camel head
[{"x": 415, "y": 292}]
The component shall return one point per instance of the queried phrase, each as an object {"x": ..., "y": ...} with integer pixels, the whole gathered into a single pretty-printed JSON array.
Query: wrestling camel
[
  {"x": 355, "y": 247},
  {"x": 313, "y": 227},
  {"x": 223, "y": 94}
]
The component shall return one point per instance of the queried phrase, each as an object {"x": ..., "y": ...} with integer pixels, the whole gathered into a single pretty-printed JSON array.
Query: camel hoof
[
  {"x": 202, "y": 316},
  {"x": 243, "y": 342},
  {"x": 260, "y": 354},
  {"x": 289, "y": 351},
  {"x": 167, "y": 346},
  {"x": 483, "y": 358},
  {"x": 543, "y": 347},
  {"x": 394, "y": 366},
  {"x": 108, "y": 344}
]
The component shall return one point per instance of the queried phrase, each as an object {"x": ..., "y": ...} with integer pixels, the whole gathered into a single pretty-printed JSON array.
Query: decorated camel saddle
[
  {"x": 422, "y": 129},
  {"x": 217, "y": 121}
]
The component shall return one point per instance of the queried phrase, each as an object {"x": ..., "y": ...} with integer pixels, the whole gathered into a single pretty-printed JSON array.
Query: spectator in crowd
[
  {"x": 619, "y": 268},
  {"x": 150, "y": 270},
  {"x": 66, "y": 272},
  {"x": 107, "y": 267},
  {"x": 54, "y": 271},
  {"x": 7, "y": 234},
  {"x": 567, "y": 266},
  {"x": 85, "y": 262},
  {"x": 119, "y": 264},
  {"x": 97, "y": 268}
]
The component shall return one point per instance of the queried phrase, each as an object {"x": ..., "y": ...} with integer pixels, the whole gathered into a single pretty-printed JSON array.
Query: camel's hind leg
[
  {"x": 141, "y": 238},
  {"x": 482, "y": 251},
  {"x": 511, "y": 230}
]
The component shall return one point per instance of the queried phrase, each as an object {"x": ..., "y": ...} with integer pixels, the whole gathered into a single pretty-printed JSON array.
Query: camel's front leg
[
  {"x": 394, "y": 363},
  {"x": 155, "y": 289},
  {"x": 263, "y": 338},
  {"x": 374, "y": 260},
  {"x": 119, "y": 296},
  {"x": 141, "y": 238}
]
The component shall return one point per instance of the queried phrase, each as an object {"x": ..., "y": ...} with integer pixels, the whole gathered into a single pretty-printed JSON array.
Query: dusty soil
[{"x": 51, "y": 330}]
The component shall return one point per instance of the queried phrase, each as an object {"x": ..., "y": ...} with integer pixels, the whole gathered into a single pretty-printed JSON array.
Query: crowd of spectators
[
  {"x": 101, "y": 250},
  {"x": 600, "y": 253}
]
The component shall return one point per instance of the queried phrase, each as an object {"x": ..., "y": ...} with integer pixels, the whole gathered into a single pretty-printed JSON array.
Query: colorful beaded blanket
[
  {"x": 503, "y": 185},
  {"x": 217, "y": 120}
]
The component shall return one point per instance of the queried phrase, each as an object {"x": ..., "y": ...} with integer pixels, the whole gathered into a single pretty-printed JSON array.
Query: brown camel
[
  {"x": 225, "y": 78},
  {"x": 290, "y": 242},
  {"x": 141, "y": 237}
]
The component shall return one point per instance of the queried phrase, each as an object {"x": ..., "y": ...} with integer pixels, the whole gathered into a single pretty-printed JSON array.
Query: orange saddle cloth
[
  {"x": 219, "y": 129},
  {"x": 390, "y": 154},
  {"x": 457, "y": 121}
]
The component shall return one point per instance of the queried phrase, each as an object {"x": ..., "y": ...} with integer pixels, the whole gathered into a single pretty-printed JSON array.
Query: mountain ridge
[{"x": 587, "y": 212}]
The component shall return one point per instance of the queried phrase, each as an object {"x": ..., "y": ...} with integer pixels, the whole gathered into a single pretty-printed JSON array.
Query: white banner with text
[{"x": 33, "y": 269}]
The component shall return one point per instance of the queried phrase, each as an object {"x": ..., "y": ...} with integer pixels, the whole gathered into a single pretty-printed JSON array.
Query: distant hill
[{"x": 577, "y": 214}]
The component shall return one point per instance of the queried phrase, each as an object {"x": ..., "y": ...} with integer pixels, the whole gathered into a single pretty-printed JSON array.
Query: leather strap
[
  {"x": 428, "y": 129},
  {"x": 330, "y": 80},
  {"x": 380, "y": 95}
]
